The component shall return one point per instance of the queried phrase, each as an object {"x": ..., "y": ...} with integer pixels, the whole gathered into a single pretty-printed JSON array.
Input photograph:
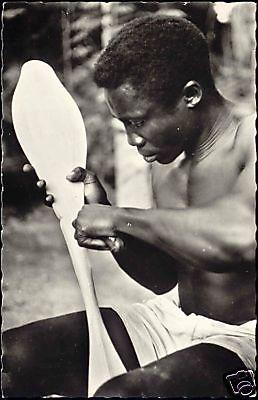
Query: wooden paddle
[{"x": 50, "y": 129}]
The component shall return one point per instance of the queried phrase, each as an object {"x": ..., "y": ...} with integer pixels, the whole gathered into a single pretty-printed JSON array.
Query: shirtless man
[{"x": 199, "y": 241}]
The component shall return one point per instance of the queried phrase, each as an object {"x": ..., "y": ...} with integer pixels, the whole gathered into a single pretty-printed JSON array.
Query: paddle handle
[
  {"x": 104, "y": 362},
  {"x": 96, "y": 194}
]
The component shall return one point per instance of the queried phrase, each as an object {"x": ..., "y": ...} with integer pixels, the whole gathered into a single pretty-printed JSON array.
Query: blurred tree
[
  {"x": 27, "y": 31},
  {"x": 234, "y": 53},
  {"x": 85, "y": 45}
]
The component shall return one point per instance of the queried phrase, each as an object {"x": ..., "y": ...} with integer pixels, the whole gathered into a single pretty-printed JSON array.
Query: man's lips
[
  {"x": 150, "y": 158},
  {"x": 147, "y": 156}
]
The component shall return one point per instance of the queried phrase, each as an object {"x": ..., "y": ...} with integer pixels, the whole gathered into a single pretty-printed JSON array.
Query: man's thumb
[{"x": 76, "y": 175}]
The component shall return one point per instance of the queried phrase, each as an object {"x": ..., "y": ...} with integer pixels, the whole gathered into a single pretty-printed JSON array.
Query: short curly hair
[{"x": 158, "y": 55}]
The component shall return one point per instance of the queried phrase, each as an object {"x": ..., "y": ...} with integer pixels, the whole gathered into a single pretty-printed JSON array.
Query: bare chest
[{"x": 184, "y": 184}]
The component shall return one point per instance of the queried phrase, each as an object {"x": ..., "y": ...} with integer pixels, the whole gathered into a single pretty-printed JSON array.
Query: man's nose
[{"x": 135, "y": 140}]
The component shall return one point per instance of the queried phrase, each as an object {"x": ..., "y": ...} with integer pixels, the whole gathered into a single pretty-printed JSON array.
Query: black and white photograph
[{"x": 128, "y": 201}]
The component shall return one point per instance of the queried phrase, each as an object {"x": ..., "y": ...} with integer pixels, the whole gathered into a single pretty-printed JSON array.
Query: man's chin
[
  {"x": 165, "y": 159},
  {"x": 168, "y": 158}
]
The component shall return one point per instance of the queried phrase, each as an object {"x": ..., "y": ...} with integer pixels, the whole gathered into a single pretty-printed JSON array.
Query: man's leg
[
  {"x": 197, "y": 371},
  {"x": 51, "y": 356}
]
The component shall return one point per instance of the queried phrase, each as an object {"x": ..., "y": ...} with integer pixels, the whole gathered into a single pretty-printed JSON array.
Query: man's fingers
[
  {"x": 112, "y": 244},
  {"x": 49, "y": 200},
  {"x": 27, "y": 168},
  {"x": 76, "y": 175},
  {"x": 90, "y": 177},
  {"x": 41, "y": 184}
]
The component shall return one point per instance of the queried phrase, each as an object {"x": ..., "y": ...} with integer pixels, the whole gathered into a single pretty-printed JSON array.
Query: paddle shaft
[{"x": 109, "y": 364}]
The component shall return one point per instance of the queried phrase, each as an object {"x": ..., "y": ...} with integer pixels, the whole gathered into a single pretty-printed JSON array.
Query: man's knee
[
  {"x": 131, "y": 384},
  {"x": 17, "y": 361},
  {"x": 137, "y": 383},
  {"x": 16, "y": 352},
  {"x": 46, "y": 356},
  {"x": 192, "y": 372}
]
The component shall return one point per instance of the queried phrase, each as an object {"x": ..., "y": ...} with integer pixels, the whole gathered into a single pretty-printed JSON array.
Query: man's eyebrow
[
  {"x": 113, "y": 115},
  {"x": 116, "y": 117},
  {"x": 130, "y": 118}
]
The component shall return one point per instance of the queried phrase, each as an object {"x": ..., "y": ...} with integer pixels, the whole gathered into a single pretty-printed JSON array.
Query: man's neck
[{"x": 213, "y": 120}]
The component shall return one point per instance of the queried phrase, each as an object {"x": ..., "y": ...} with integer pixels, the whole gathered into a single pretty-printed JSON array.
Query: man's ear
[{"x": 192, "y": 94}]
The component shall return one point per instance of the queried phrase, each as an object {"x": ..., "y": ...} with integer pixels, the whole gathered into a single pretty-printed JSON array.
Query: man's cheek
[
  {"x": 153, "y": 134},
  {"x": 161, "y": 133}
]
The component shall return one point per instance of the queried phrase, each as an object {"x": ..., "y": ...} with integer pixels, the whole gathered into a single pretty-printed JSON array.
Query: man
[{"x": 196, "y": 249}]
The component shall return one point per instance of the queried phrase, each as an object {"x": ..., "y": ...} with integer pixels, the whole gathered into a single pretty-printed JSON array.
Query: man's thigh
[
  {"x": 42, "y": 357},
  {"x": 197, "y": 371},
  {"x": 51, "y": 356}
]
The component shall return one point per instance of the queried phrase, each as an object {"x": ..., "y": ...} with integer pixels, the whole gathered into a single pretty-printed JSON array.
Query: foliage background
[{"x": 38, "y": 279}]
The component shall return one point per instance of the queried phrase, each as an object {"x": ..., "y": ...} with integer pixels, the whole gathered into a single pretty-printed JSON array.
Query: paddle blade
[{"x": 51, "y": 132}]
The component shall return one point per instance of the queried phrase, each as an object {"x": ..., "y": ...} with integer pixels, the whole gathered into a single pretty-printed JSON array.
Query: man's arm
[
  {"x": 219, "y": 237},
  {"x": 150, "y": 266}
]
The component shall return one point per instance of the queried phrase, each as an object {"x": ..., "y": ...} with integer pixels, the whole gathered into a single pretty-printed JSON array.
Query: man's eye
[{"x": 137, "y": 124}]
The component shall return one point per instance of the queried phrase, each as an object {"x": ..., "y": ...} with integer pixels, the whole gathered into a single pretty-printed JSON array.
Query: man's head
[
  {"x": 155, "y": 73},
  {"x": 158, "y": 55}
]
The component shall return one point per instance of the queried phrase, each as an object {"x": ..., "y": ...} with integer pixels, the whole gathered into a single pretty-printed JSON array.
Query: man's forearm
[
  {"x": 151, "y": 267},
  {"x": 216, "y": 238}
]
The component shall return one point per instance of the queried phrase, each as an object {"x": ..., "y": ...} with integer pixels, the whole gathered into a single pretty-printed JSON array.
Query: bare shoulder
[
  {"x": 246, "y": 154},
  {"x": 245, "y": 139}
]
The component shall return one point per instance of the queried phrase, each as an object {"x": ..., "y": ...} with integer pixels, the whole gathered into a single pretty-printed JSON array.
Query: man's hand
[
  {"x": 93, "y": 193},
  {"x": 95, "y": 227},
  {"x": 93, "y": 189},
  {"x": 41, "y": 184}
]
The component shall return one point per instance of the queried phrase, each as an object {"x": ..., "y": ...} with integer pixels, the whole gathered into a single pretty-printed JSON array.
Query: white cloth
[{"x": 159, "y": 327}]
